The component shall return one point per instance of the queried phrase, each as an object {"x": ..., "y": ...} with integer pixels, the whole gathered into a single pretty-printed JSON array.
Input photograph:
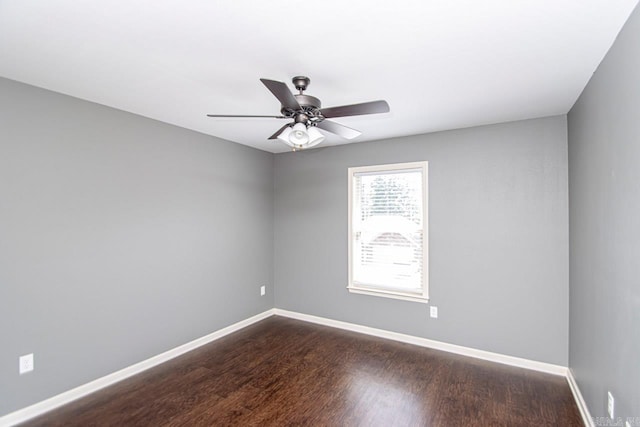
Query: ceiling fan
[{"x": 308, "y": 115}]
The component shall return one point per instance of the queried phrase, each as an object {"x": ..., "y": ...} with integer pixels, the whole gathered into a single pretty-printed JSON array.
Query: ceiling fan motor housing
[
  {"x": 309, "y": 111},
  {"x": 310, "y": 106}
]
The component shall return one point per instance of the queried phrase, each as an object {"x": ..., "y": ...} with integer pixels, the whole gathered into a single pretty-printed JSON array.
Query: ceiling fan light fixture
[
  {"x": 315, "y": 137},
  {"x": 284, "y": 136},
  {"x": 299, "y": 136}
]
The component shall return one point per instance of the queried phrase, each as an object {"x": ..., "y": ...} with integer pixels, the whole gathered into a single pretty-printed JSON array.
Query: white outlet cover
[
  {"x": 263, "y": 290},
  {"x": 25, "y": 363},
  {"x": 433, "y": 311},
  {"x": 610, "y": 404}
]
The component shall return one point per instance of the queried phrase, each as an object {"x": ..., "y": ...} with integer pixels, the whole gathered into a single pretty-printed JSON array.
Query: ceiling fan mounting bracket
[{"x": 301, "y": 83}]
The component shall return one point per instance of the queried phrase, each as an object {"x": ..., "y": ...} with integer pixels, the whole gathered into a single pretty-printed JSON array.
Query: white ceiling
[{"x": 440, "y": 64}]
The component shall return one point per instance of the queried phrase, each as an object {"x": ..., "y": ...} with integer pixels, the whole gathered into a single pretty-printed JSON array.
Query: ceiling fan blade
[
  {"x": 275, "y": 135},
  {"x": 282, "y": 92},
  {"x": 240, "y": 115},
  {"x": 373, "y": 107},
  {"x": 338, "y": 129}
]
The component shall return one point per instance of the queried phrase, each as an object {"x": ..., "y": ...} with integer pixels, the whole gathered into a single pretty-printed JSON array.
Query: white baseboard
[
  {"x": 40, "y": 408},
  {"x": 424, "y": 342},
  {"x": 582, "y": 405}
]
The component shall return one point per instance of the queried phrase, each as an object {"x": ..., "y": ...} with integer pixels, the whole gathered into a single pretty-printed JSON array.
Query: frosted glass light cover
[{"x": 299, "y": 136}]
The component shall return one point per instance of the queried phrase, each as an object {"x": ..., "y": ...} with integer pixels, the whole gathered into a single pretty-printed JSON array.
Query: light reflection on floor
[{"x": 394, "y": 404}]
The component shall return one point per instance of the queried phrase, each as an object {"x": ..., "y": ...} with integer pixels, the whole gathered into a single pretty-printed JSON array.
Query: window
[{"x": 388, "y": 241}]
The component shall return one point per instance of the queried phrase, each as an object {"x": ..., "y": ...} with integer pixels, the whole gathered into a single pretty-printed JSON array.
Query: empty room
[{"x": 414, "y": 213}]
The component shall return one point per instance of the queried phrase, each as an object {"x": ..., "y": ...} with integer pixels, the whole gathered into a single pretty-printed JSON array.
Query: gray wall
[
  {"x": 604, "y": 189},
  {"x": 120, "y": 237},
  {"x": 498, "y": 237}
]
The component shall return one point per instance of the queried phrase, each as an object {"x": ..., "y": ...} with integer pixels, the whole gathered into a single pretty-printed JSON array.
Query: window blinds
[{"x": 388, "y": 229}]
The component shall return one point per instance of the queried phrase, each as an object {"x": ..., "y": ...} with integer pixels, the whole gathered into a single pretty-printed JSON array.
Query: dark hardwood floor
[{"x": 283, "y": 372}]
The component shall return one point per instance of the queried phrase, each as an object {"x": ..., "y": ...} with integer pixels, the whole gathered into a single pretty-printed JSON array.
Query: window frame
[{"x": 422, "y": 297}]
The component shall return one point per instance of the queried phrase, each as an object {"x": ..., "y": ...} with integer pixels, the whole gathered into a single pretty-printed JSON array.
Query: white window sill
[{"x": 389, "y": 294}]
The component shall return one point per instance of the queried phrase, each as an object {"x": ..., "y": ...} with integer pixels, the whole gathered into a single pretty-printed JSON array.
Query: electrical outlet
[
  {"x": 610, "y": 404},
  {"x": 263, "y": 290},
  {"x": 25, "y": 363},
  {"x": 433, "y": 311}
]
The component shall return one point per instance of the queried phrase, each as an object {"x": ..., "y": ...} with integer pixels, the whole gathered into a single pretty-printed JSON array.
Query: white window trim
[{"x": 390, "y": 293}]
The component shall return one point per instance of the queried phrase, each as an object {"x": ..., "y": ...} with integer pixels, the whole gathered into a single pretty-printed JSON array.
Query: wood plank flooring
[{"x": 283, "y": 372}]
